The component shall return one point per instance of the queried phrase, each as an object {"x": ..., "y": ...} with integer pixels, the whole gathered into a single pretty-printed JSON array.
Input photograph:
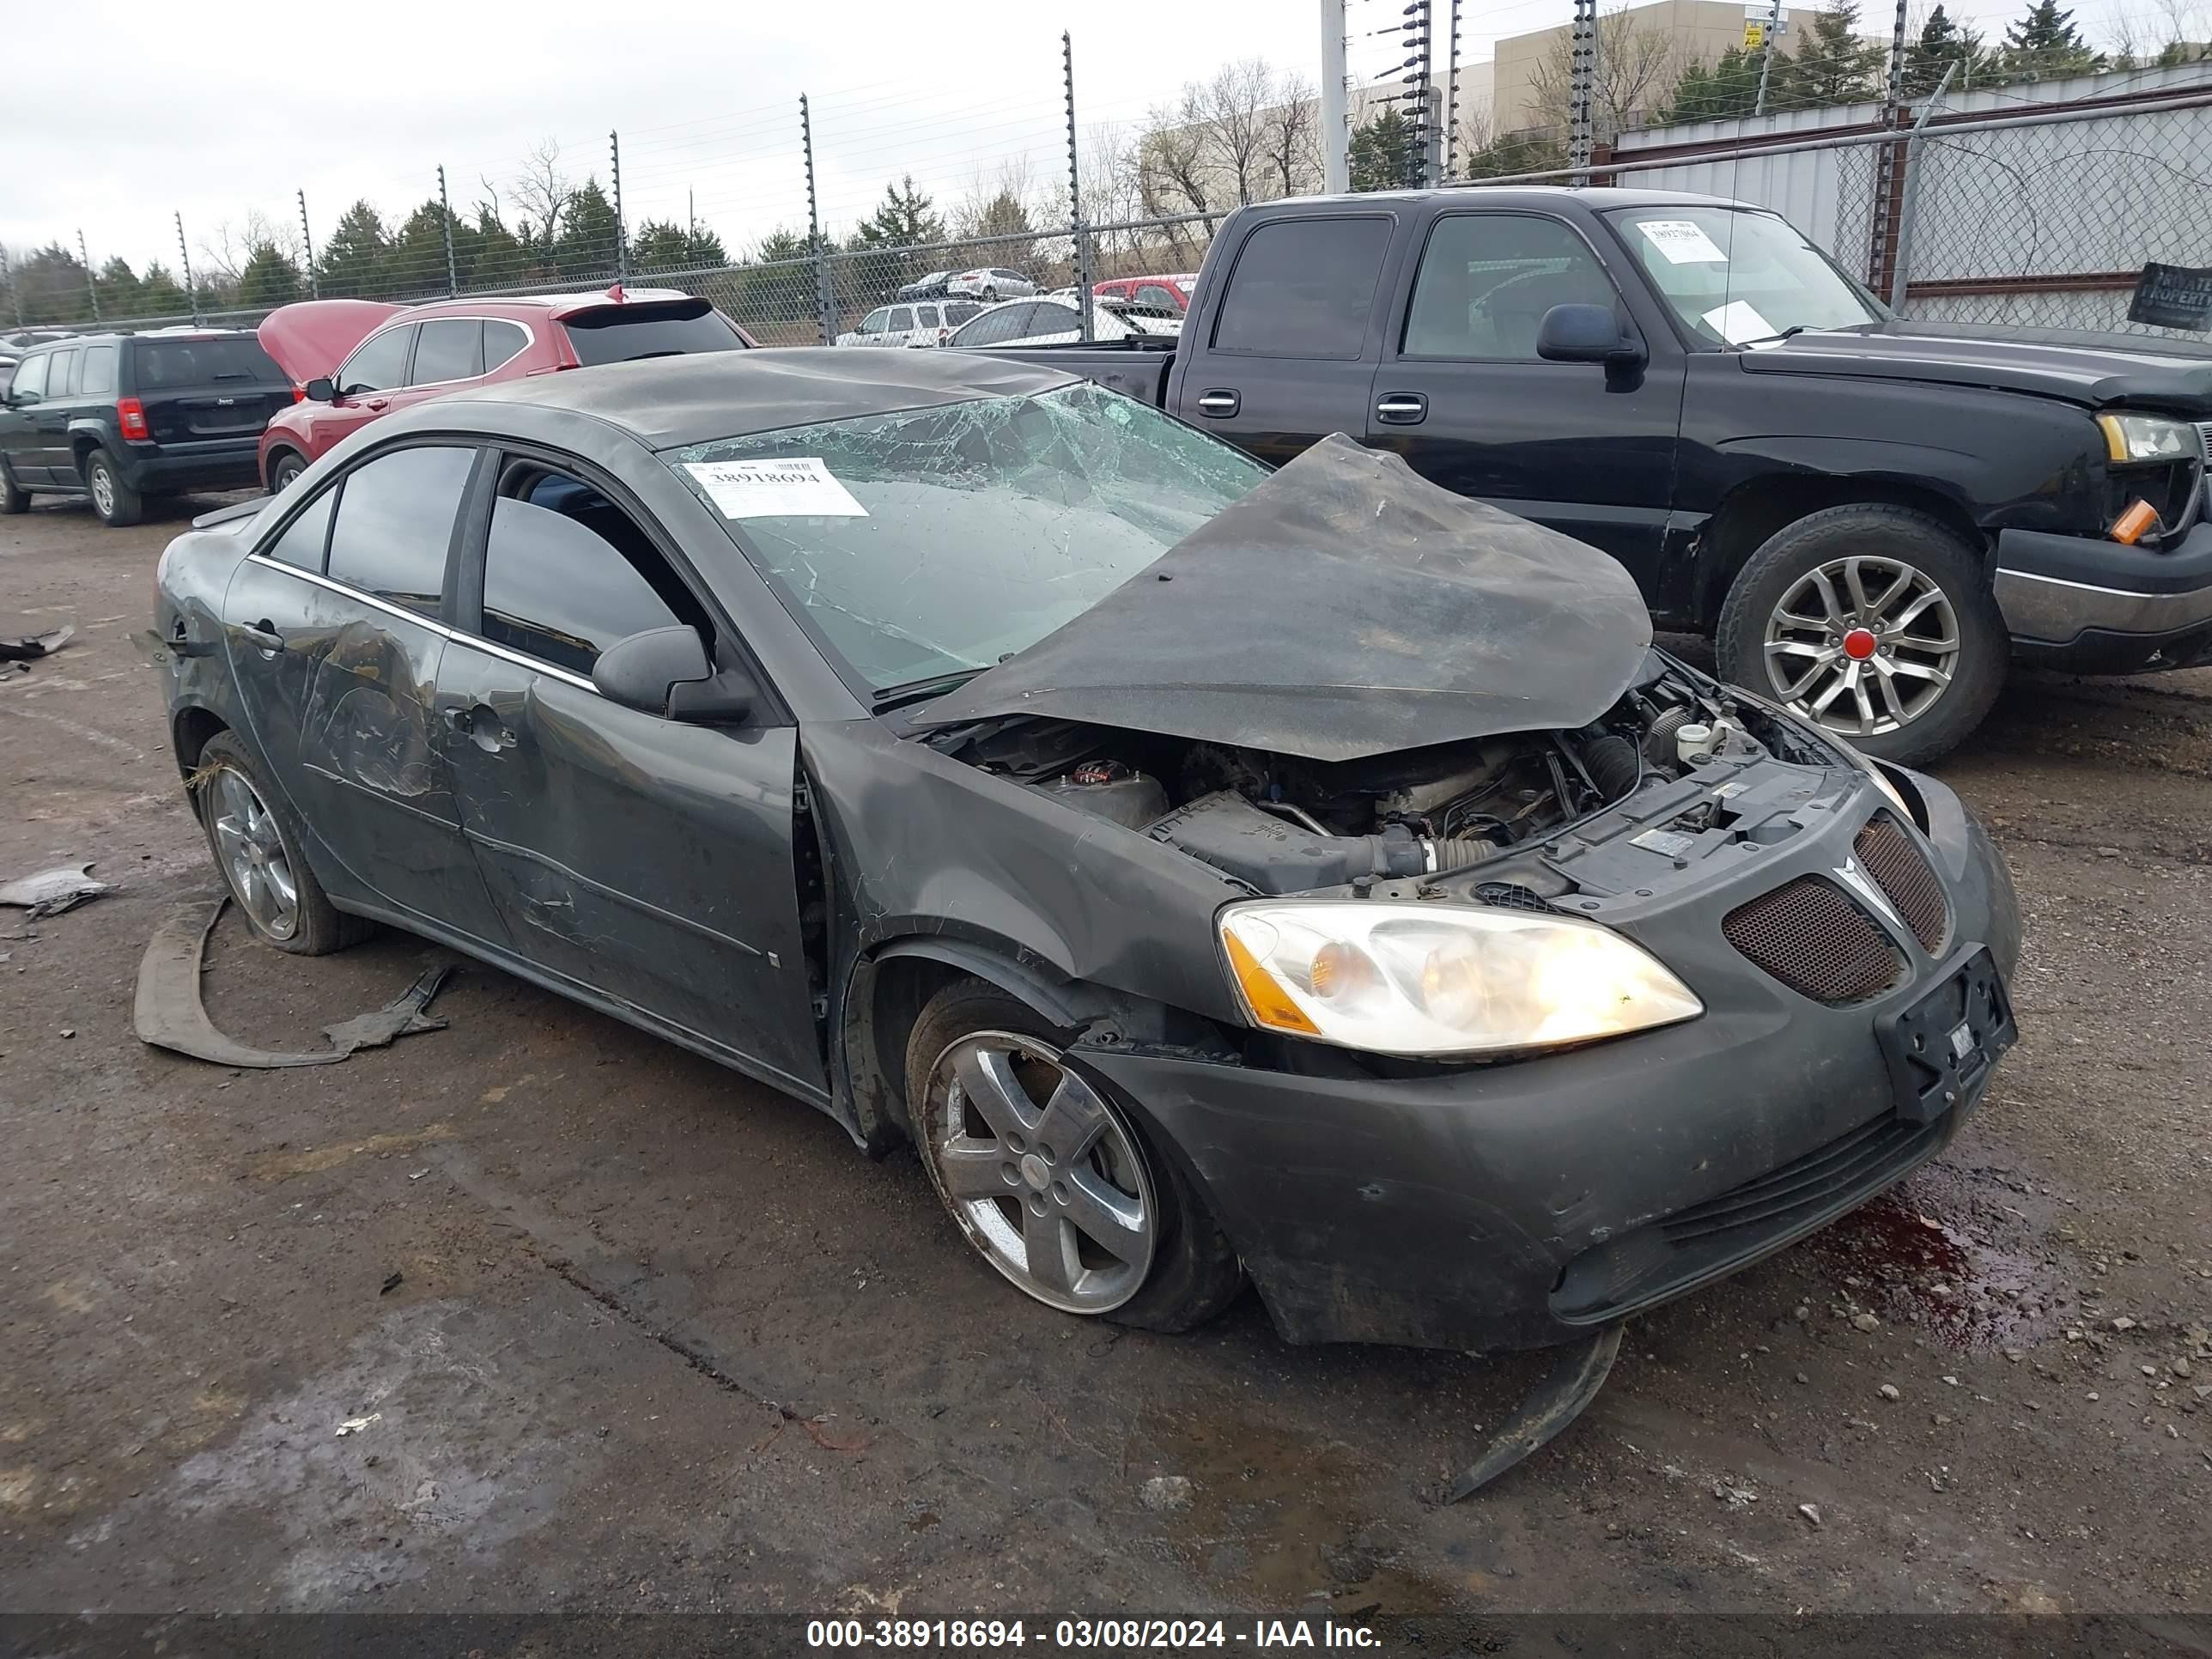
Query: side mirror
[
  {"x": 666, "y": 671},
  {"x": 320, "y": 390},
  {"x": 1586, "y": 334}
]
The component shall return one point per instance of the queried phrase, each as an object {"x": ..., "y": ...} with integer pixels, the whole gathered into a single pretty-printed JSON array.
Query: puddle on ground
[
  {"x": 1957, "y": 1253},
  {"x": 1272, "y": 1520}
]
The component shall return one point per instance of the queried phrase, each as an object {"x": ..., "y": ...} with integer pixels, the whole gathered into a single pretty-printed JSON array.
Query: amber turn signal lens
[
  {"x": 2138, "y": 521},
  {"x": 1269, "y": 1006}
]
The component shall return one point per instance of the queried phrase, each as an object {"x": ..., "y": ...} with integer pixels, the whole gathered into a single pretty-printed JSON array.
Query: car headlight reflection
[{"x": 1441, "y": 980}]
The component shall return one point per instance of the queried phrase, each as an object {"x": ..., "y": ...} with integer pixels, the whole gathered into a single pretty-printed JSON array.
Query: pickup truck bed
[{"x": 1136, "y": 367}]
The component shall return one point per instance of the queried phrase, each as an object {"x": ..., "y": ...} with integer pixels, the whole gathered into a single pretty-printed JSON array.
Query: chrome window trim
[{"x": 475, "y": 641}]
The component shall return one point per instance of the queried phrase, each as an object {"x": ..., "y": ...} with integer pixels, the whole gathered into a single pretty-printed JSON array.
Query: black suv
[{"x": 122, "y": 416}]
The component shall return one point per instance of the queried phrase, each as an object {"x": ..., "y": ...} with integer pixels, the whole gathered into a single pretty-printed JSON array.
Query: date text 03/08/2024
[{"x": 988, "y": 1634}]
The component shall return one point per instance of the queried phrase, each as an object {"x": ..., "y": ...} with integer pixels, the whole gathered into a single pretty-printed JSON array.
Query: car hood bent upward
[
  {"x": 310, "y": 337},
  {"x": 1345, "y": 607}
]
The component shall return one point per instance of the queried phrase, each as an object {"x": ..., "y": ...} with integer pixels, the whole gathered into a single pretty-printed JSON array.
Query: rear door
[
  {"x": 641, "y": 857},
  {"x": 1289, "y": 356},
  {"x": 335, "y": 630},
  {"x": 210, "y": 390},
  {"x": 1464, "y": 398}
]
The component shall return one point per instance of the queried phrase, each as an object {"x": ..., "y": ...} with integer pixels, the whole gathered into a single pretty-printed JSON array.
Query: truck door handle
[
  {"x": 1402, "y": 408},
  {"x": 264, "y": 636},
  {"x": 1220, "y": 403}
]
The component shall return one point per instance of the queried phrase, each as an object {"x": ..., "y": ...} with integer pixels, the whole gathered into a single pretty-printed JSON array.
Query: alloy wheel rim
[
  {"x": 1039, "y": 1172},
  {"x": 103, "y": 489},
  {"x": 1863, "y": 645},
  {"x": 253, "y": 858}
]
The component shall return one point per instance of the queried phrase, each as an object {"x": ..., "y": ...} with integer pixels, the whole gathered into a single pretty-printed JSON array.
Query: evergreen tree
[
  {"x": 1941, "y": 44},
  {"x": 2045, "y": 44},
  {"x": 121, "y": 294},
  {"x": 269, "y": 279},
  {"x": 353, "y": 263},
  {"x": 904, "y": 218},
  {"x": 664, "y": 245},
  {"x": 1381, "y": 154},
  {"x": 1830, "y": 66},
  {"x": 502, "y": 260},
  {"x": 585, "y": 250},
  {"x": 1720, "y": 91},
  {"x": 159, "y": 294}
]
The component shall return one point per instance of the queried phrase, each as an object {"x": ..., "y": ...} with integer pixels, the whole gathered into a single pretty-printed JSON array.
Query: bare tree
[
  {"x": 542, "y": 193},
  {"x": 1294, "y": 137},
  {"x": 229, "y": 248},
  {"x": 1638, "y": 65}
]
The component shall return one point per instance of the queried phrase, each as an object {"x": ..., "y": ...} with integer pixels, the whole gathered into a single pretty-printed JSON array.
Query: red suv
[
  {"x": 1167, "y": 296},
  {"x": 356, "y": 359}
]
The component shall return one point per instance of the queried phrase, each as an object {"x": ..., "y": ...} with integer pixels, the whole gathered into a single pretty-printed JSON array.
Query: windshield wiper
[
  {"x": 1788, "y": 333},
  {"x": 897, "y": 696}
]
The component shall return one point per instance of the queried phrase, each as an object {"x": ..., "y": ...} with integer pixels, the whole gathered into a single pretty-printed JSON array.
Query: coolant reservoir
[{"x": 1693, "y": 741}]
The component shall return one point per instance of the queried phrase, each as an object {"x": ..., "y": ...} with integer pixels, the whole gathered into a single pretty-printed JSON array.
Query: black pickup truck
[{"x": 1871, "y": 515}]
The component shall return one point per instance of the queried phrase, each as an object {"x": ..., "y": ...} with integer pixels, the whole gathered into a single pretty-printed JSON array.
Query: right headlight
[
  {"x": 1441, "y": 979},
  {"x": 2148, "y": 439}
]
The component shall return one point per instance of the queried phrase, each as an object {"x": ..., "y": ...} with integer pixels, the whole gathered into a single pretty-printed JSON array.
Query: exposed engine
[{"x": 1281, "y": 824}]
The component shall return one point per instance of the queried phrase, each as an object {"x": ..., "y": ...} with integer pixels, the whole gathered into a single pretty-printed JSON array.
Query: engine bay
[{"x": 1281, "y": 824}]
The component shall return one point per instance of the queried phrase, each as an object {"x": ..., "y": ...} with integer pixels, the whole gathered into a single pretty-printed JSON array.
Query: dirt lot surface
[{"x": 662, "y": 1339}]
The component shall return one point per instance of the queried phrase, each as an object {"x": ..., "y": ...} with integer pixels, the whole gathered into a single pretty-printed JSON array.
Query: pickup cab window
[
  {"x": 1486, "y": 280},
  {"x": 1304, "y": 287},
  {"x": 1739, "y": 277}
]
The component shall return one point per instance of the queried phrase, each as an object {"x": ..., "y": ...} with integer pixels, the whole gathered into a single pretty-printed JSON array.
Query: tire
[
  {"x": 288, "y": 465},
  {"x": 14, "y": 498},
  {"x": 990, "y": 296},
  {"x": 116, "y": 501},
  {"x": 314, "y": 927},
  {"x": 1190, "y": 1271},
  {"x": 1935, "y": 652}
]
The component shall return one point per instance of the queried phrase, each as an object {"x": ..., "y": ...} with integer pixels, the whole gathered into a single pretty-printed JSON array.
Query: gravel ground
[{"x": 661, "y": 1339}]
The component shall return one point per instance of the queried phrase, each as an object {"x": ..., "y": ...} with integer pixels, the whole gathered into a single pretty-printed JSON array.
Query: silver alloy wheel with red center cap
[
  {"x": 1864, "y": 644},
  {"x": 1040, "y": 1171}
]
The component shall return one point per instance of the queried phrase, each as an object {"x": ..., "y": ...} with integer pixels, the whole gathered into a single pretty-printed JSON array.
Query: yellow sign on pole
[{"x": 1754, "y": 35}]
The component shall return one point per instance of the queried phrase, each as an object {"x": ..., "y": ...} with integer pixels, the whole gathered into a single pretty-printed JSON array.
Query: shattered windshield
[{"x": 935, "y": 542}]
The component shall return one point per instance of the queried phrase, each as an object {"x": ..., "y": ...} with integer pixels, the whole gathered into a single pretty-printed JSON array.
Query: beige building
[{"x": 1684, "y": 32}]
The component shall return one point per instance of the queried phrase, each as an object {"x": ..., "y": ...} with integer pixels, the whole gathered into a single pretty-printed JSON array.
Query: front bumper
[
  {"x": 2098, "y": 607},
  {"x": 1517, "y": 1206},
  {"x": 206, "y": 464}
]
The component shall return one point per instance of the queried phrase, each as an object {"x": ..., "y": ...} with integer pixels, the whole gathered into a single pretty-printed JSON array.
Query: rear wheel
[
  {"x": 116, "y": 501},
  {"x": 14, "y": 498},
  {"x": 990, "y": 296},
  {"x": 256, "y": 839},
  {"x": 1050, "y": 1179},
  {"x": 1873, "y": 620},
  {"x": 287, "y": 465}
]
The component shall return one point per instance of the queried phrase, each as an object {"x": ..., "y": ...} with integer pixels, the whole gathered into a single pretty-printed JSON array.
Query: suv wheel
[
  {"x": 1873, "y": 620},
  {"x": 287, "y": 466},
  {"x": 116, "y": 501},
  {"x": 990, "y": 296},
  {"x": 14, "y": 498}
]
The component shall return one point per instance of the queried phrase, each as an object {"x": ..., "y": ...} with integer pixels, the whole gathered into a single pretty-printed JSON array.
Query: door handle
[
  {"x": 376, "y": 405},
  {"x": 1220, "y": 403},
  {"x": 1402, "y": 408},
  {"x": 264, "y": 636}
]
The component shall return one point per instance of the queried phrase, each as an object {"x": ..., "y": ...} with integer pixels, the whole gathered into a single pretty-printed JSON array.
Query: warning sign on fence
[{"x": 2172, "y": 296}]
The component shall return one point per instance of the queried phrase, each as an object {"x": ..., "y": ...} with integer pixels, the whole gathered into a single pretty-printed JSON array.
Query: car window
[
  {"x": 159, "y": 363},
  {"x": 61, "y": 379},
  {"x": 567, "y": 573},
  {"x": 502, "y": 341},
  {"x": 667, "y": 328},
  {"x": 960, "y": 311},
  {"x": 874, "y": 321},
  {"x": 1486, "y": 280},
  {"x": 302, "y": 544},
  {"x": 1047, "y": 317},
  {"x": 380, "y": 365},
  {"x": 97, "y": 378},
  {"x": 1018, "y": 513},
  {"x": 395, "y": 518},
  {"x": 991, "y": 327},
  {"x": 1304, "y": 287},
  {"x": 902, "y": 319},
  {"x": 1151, "y": 294},
  {"x": 30, "y": 379},
  {"x": 448, "y": 348},
  {"x": 1738, "y": 276},
  {"x": 7, "y": 375},
  {"x": 925, "y": 316}
]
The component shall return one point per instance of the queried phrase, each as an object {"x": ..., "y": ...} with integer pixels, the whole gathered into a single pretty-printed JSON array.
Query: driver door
[
  {"x": 367, "y": 382},
  {"x": 640, "y": 858}
]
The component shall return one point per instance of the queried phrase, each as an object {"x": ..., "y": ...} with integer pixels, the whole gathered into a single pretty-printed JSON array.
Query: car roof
[
  {"x": 110, "y": 337},
  {"x": 667, "y": 402},
  {"x": 553, "y": 304},
  {"x": 1595, "y": 199}
]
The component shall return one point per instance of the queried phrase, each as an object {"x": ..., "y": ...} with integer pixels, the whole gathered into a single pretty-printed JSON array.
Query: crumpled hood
[
  {"x": 310, "y": 339},
  {"x": 2088, "y": 368},
  {"x": 1345, "y": 607}
]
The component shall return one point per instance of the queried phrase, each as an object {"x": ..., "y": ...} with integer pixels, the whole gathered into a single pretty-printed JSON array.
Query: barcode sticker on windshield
[
  {"x": 796, "y": 487},
  {"x": 1683, "y": 241}
]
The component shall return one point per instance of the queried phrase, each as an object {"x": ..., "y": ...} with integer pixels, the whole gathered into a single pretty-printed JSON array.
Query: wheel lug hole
[
  {"x": 1044, "y": 1151},
  {"x": 1060, "y": 1192},
  {"x": 1016, "y": 1145},
  {"x": 1036, "y": 1203},
  {"x": 1010, "y": 1174}
]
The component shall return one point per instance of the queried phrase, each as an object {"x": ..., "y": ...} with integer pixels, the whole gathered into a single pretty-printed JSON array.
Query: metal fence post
[
  {"x": 1582, "y": 70},
  {"x": 1084, "y": 276},
  {"x": 1766, "y": 56},
  {"x": 446, "y": 229},
  {"x": 184, "y": 259},
  {"x": 91, "y": 288},
  {"x": 1880, "y": 221},
  {"x": 824, "y": 298},
  {"x": 1909, "y": 211},
  {"x": 621, "y": 238},
  {"x": 14, "y": 294},
  {"x": 307, "y": 248},
  {"x": 1451, "y": 95}
]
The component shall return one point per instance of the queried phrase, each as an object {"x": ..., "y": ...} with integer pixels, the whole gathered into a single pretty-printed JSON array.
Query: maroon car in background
[{"x": 355, "y": 360}]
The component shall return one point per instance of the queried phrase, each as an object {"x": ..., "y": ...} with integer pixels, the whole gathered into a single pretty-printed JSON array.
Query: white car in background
[
  {"x": 990, "y": 284},
  {"x": 1053, "y": 322},
  {"x": 924, "y": 323}
]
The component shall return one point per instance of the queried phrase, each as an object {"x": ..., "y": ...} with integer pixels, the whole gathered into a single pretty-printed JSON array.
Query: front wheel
[
  {"x": 1873, "y": 620},
  {"x": 1050, "y": 1179},
  {"x": 116, "y": 501},
  {"x": 287, "y": 466},
  {"x": 14, "y": 498}
]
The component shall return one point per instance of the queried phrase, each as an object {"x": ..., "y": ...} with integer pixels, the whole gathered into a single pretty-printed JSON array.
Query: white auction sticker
[
  {"x": 1683, "y": 241},
  {"x": 795, "y": 487}
]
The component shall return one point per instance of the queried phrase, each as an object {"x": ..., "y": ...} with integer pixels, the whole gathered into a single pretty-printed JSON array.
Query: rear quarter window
[{"x": 1304, "y": 287}]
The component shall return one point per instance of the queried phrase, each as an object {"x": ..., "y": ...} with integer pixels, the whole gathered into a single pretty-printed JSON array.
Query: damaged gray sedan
[{"x": 1306, "y": 876}]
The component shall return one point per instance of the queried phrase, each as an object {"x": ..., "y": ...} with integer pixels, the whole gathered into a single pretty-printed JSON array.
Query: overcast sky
[{"x": 217, "y": 114}]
